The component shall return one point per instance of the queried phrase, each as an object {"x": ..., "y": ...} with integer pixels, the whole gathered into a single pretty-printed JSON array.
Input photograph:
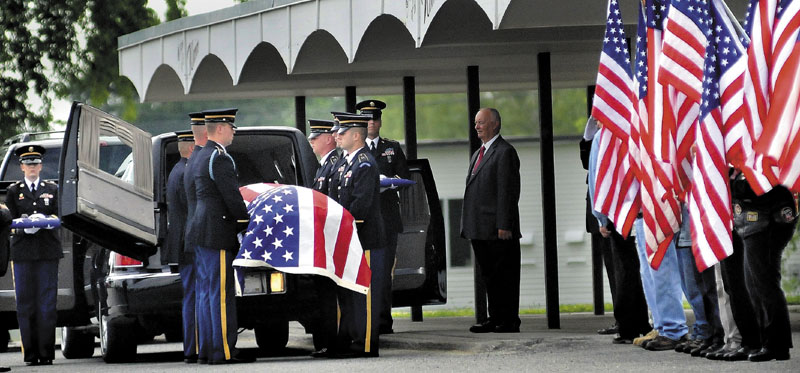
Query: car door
[
  {"x": 115, "y": 210},
  {"x": 420, "y": 275}
]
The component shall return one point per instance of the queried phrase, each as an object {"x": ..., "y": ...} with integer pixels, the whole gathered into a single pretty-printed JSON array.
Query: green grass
[
  {"x": 793, "y": 299},
  {"x": 564, "y": 308}
]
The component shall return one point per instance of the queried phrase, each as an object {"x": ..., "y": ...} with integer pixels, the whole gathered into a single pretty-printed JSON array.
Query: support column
[
  {"x": 473, "y": 105},
  {"x": 350, "y": 98},
  {"x": 548, "y": 191},
  {"x": 300, "y": 113},
  {"x": 597, "y": 253},
  {"x": 410, "y": 115}
]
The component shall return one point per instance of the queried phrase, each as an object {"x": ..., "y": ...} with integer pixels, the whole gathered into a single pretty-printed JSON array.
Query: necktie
[
  {"x": 372, "y": 146},
  {"x": 33, "y": 188},
  {"x": 478, "y": 162}
]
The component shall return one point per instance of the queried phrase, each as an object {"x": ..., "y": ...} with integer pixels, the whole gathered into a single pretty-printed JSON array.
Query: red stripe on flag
[
  {"x": 343, "y": 243},
  {"x": 320, "y": 216}
]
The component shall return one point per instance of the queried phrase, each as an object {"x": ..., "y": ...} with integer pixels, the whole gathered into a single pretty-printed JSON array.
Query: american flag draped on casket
[{"x": 298, "y": 230}]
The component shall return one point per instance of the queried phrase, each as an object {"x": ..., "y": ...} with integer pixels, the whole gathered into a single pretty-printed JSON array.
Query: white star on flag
[
  {"x": 268, "y": 230},
  {"x": 288, "y": 231},
  {"x": 277, "y": 243},
  {"x": 277, "y": 199},
  {"x": 258, "y": 219},
  {"x": 246, "y": 254},
  {"x": 278, "y": 218},
  {"x": 287, "y": 255},
  {"x": 288, "y": 208},
  {"x": 257, "y": 242},
  {"x": 267, "y": 256},
  {"x": 267, "y": 208}
]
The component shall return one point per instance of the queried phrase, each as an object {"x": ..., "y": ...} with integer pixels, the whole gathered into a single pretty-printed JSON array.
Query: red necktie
[{"x": 478, "y": 162}]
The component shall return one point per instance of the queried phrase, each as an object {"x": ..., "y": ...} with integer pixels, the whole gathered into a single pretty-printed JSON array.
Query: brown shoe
[
  {"x": 662, "y": 343},
  {"x": 647, "y": 337}
]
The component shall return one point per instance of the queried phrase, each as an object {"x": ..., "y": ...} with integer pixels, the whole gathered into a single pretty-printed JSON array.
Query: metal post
[
  {"x": 473, "y": 105},
  {"x": 410, "y": 115},
  {"x": 548, "y": 191},
  {"x": 300, "y": 113},
  {"x": 597, "y": 252},
  {"x": 350, "y": 98}
]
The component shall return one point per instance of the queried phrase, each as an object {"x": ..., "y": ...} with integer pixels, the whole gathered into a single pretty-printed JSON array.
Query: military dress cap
[
  {"x": 336, "y": 115},
  {"x": 349, "y": 121},
  {"x": 186, "y": 135},
  {"x": 221, "y": 115},
  {"x": 30, "y": 154},
  {"x": 197, "y": 118},
  {"x": 319, "y": 126},
  {"x": 371, "y": 107}
]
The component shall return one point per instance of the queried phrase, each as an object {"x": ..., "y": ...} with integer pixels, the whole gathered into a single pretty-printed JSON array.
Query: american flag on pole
[
  {"x": 780, "y": 139},
  {"x": 721, "y": 108},
  {"x": 660, "y": 209},
  {"x": 299, "y": 230},
  {"x": 616, "y": 188}
]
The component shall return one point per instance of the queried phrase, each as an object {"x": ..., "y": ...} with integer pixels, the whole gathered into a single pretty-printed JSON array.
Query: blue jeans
[
  {"x": 664, "y": 295},
  {"x": 701, "y": 329}
]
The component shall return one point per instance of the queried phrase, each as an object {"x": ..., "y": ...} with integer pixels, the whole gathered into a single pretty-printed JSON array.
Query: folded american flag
[
  {"x": 395, "y": 182},
  {"x": 298, "y": 230},
  {"x": 41, "y": 221}
]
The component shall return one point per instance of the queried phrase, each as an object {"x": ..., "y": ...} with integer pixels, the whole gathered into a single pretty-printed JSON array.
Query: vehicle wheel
[
  {"x": 174, "y": 335},
  {"x": 76, "y": 344},
  {"x": 117, "y": 339},
  {"x": 273, "y": 336}
]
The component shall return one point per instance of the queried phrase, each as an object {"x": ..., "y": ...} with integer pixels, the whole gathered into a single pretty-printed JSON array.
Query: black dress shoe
[
  {"x": 712, "y": 348},
  {"x": 506, "y": 328},
  {"x": 233, "y": 360},
  {"x": 45, "y": 362},
  {"x": 190, "y": 359},
  {"x": 486, "y": 327},
  {"x": 321, "y": 353},
  {"x": 613, "y": 329},
  {"x": 718, "y": 354},
  {"x": 620, "y": 340},
  {"x": 741, "y": 354},
  {"x": 386, "y": 330},
  {"x": 32, "y": 363},
  {"x": 766, "y": 354},
  {"x": 5, "y": 369}
]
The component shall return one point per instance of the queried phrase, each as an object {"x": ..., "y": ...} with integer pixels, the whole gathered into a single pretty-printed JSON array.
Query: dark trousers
[
  {"x": 604, "y": 245},
  {"x": 499, "y": 267},
  {"x": 358, "y": 325},
  {"x": 732, "y": 269},
  {"x": 630, "y": 306},
  {"x": 215, "y": 304},
  {"x": 325, "y": 325},
  {"x": 390, "y": 253},
  {"x": 36, "y": 286},
  {"x": 188, "y": 280},
  {"x": 762, "y": 273}
]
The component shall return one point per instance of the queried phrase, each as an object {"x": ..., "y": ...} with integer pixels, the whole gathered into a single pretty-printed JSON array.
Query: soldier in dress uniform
[
  {"x": 359, "y": 190},
  {"x": 338, "y": 167},
  {"x": 391, "y": 163},
  {"x": 187, "y": 265},
  {"x": 219, "y": 215},
  {"x": 324, "y": 146},
  {"x": 35, "y": 254},
  {"x": 765, "y": 224}
]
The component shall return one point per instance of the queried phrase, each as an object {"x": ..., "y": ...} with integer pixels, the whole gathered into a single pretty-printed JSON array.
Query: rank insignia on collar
[
  {"x": 737, "y": 209},
  {"x": 787, "y": 214},
  {"x": 752, "y": 216}
]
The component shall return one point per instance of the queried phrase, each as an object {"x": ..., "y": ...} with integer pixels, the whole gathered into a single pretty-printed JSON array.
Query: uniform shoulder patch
[
  {"x": 333, "y": 159},
  {"x": 220, "y": 148},
  {"x": 363, "y": 157}
]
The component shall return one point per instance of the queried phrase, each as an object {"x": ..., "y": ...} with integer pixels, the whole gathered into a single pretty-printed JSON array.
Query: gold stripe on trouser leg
[
  {"x": 196, "y": 336},
  {"x": 222, "y": 309},
  {"x": 14, "y": 280},
  {"x": 368, "y": 339}
]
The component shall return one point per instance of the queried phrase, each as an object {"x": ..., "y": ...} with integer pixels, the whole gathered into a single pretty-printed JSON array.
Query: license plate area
[{"x": 255, "y": 283}]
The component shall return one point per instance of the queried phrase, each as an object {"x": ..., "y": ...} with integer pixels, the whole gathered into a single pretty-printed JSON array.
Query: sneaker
[
  {"x": 662, "y": 343},
  {"x": 647, "y": 337}
]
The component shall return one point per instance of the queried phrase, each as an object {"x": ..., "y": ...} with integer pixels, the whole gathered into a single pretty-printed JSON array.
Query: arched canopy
[{"x": 316, "y": 47}]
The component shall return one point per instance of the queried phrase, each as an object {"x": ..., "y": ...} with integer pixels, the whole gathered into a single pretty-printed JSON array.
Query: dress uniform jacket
[
  {"x": 491, "y": 197},
  {"x": 219, "y": 203},
  {"x": 359, "y": 190},
  {"x": 324, "y": 173},
  {"x": 45, "y": 243},
  {"x": 391, "y": 162},
  {"x": 191, "y": 198},
  {"x": 172, "y": 251},
  {"x": 336, "y": 176}
]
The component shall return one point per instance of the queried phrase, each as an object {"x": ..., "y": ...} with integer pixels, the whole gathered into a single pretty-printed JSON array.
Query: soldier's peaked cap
[
  {"x": 318, "y": 127},
  {"x": 30, "y": 154},
  {"x": 221, "y": 115},
  {"x": 184, "y": 135},
  {"x": 336, "y": 115},
  {"x": 197, "y": 118},
  {"x": 349, "y": 121},
  {"x": 371, "y": 107}
]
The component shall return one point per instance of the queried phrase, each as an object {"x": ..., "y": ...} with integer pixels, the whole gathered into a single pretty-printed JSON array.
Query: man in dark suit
[
  {"x": 391, "y": 163},
  {"x": 219, "y": 215},
  {"x": 173, "y": 252},
  {"x": 35, "y": 254},
  {"x": 490, "y": 219},
  {"x": 359, "y": 190}
]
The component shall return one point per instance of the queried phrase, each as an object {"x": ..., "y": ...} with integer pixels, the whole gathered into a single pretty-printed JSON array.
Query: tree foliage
[{"x": 176, "y": 9}]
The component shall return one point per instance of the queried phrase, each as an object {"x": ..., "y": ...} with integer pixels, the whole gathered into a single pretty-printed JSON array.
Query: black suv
[{"x": 135, "y": 296}]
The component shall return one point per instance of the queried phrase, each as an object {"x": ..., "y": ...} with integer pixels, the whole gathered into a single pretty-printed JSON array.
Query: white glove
[
  {"x": 34, "y": 217},
  {"x": 31, "y": 230}
]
